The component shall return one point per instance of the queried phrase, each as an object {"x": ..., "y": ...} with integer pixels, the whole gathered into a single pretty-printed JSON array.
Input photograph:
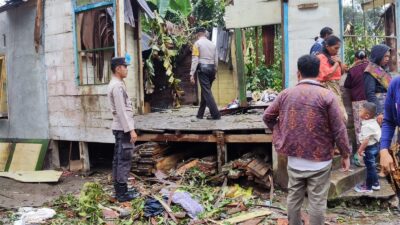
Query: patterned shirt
[{"x": 307, "y": 122}]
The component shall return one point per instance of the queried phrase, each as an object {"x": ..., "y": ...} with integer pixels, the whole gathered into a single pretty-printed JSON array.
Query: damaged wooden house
[{"x": 55, "y": 66}]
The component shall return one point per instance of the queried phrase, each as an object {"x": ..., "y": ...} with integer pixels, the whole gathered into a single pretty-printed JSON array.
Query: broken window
[
  {"x": 368, "y": 23},
  {"x": 3, "y": 88},
  {"x": 94, "y": 41}
]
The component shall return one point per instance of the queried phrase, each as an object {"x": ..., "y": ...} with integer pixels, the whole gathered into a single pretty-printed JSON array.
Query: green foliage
[
  {"x": 261, "y": 77},
  {"x": 161, "y": 5},
  {"x": 361, "y": 24},
  {"x": 209, "y": 13},
  {"x": 182, "y": 6}
]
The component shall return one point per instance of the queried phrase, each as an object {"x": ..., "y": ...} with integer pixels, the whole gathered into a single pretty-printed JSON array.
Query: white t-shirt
[{"x": 306, "y": 165}]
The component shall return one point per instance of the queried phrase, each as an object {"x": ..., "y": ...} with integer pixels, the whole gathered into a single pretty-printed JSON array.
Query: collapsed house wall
[
  {"x": 27, "y": 92},
  {"x": 77, "y": 113}
]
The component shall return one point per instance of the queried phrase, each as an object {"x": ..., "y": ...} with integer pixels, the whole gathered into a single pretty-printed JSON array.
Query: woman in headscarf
[
  {"x": 355, "y": 83},
  {"x": 377, "y": 79},
  {"x": 331, "y": 68}
]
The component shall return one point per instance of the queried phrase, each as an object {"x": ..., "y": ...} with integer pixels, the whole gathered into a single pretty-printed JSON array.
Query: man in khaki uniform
[
  {"x": 123, "y": 129},
  {"x": 205, "y": 63}
]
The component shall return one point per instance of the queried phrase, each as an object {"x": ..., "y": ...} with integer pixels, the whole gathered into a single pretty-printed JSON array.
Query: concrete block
[
  {"x": 101, "y": 135},
  {"x": 69, "y": 73},
  {"x": 71, "y": 88},
  {"x": 66, "y": 133},
  {"x": 58, "y": 42},
  {"x": 58, "y": 26}
]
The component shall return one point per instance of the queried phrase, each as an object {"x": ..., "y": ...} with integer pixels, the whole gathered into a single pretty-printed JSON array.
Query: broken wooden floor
[{"x": 181, "y": 126}]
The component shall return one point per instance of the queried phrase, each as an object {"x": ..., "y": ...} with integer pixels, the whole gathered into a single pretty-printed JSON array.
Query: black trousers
[
  {"x": 123, "y": 153},
  {"x": 206, "y": 76}
]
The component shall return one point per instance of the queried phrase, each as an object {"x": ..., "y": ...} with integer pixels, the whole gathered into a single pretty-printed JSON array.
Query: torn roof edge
[
  {"x": 11, "y": 4},
  {"x": 146, "y": 8}
]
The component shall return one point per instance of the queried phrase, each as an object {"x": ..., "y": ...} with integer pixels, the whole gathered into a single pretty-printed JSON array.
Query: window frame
[{"x": 84, "y": 8}]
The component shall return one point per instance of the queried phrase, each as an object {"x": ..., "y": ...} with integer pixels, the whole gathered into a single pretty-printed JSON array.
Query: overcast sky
[{"x": 2, "y": 2}]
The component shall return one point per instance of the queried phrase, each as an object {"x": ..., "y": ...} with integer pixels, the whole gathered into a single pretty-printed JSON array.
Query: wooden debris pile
[
  {"x": 151, "y": 157},
  {"x": 146, "y": 157},
  {"x": 251, "y": 167}
]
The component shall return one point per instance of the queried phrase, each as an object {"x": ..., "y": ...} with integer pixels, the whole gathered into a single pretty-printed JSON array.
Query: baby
[{"x": 369, "y": 138}]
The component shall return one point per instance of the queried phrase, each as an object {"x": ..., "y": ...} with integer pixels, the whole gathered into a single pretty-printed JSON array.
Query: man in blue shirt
[
  {"x": 319, "y": 43},
  {"x": 391, "y": 121}
]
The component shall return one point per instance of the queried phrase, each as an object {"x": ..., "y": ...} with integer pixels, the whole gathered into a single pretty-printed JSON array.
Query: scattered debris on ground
[{"x": 178, "y": 190}]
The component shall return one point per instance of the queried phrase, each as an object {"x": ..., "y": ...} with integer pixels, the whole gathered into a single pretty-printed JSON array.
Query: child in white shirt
[{"x": 369, "y": 137}]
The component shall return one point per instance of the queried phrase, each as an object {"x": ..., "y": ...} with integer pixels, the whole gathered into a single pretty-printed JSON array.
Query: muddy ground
[{"x": 14, "y": 194}]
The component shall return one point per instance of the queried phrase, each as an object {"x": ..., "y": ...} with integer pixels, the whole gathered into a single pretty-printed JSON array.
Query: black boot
[{"x": 122, "y": 193}]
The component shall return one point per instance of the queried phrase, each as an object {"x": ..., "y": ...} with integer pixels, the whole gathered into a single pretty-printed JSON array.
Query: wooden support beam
[
  {"x": 279, "y": 166},
  {"x": 240, "y": 67},
  {"x": 257, "y": 46},
  {"x": 55, "y": 155},
  {"x": 207, "y": 138},
  {"x": 222, "y": 150},
  {"x": 84, "y": 156},
  {"x": 120, "y": 28},
  {"x": 251, "y": 138}
]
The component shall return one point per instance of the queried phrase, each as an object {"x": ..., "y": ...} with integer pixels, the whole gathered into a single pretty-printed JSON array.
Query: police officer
[
  {"x": 205, "y": 63},
  {"x": 123, "y": 129}
]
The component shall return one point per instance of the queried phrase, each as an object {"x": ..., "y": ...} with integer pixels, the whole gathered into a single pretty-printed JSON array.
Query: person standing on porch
[
  {"x": 123, "y": 129},
  {"x": 331, "y": 69},
  {"x": 205, "y": 64},
  {"x": 307, "y": 122},
  {"x": 355, "y": 83},
  {"x": 319, "y": 43},
  {"x": 377, "y": 78}
]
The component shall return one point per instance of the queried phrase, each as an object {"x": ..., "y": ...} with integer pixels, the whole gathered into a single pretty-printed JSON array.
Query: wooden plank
[
  {"x": 222, "y": 150},
  {"x": 258, "y": 167},
  {"x": 240, "y": 67},
  {"x": 138, "y": 30},
  {"x": 38, "y": 24},
  {"x": 5, "y": 150},
  {"x": 120, "y": 27},
  {"x": 170, "y": 162},
  {"x": 207, "y": 138},
  {"x": 247, "y": 216},
  {"x": 25, "y": 157},
  {"x": 3, "y": 88},
  {"x": 84, "y": 156},
  {"x": 33, "y": 176},
  {"x": 250, "y": 138}
]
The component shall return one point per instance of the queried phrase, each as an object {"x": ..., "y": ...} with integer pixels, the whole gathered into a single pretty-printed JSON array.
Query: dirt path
[{"x": 14, "y": 194}]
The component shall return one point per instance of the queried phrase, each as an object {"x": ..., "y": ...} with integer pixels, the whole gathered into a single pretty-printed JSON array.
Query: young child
[{"x": 369, "y": 138}]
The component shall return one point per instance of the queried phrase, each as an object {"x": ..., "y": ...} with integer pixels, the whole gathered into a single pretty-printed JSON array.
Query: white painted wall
[
  {"x": 250, "y": 13},
  {"x": 305, "y": 25}
]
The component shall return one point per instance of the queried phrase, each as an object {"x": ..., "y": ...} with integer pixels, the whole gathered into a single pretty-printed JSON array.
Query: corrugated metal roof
[{"x": 11, "y": 4}]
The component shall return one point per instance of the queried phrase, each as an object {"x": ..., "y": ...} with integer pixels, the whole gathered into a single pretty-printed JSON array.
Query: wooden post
[
  {"x": 140, "y": 67},
  {"x": 55, "y": 155},
  {"x": 222, "y": 150},
  {"x": 240, "y": 68},
  {"x": 268, "y": 36},
  {"x": 120, "y": 27},
  {"x": 84, "y": 156},
  {"x": 279, "y": 166},
  {"x": 257, "y": 46}
]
